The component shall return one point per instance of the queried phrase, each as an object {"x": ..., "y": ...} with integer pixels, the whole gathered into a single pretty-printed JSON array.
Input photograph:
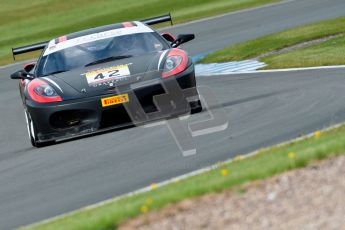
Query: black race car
[{"x": 104, "y": 78}]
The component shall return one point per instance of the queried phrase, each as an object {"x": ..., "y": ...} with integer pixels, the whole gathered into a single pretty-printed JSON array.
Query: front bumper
[{"x": 72, "y": 118}]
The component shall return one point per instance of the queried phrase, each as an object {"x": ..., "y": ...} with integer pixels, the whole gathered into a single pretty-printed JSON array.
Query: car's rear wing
[
  {"x": 28, "y": 48},
  {"x": 159, "y": 19},
  {"x": 42, "y": 45}
]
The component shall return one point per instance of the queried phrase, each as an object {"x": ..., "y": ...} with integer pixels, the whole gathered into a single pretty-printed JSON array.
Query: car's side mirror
[
  {"x": 30, "y": 66},
  {"x": 22, "y": 74},
  {"x": 182, "y": 38}
]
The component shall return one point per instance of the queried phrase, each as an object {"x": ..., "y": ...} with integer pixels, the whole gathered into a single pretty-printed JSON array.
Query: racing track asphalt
[{"x": 262, "y": 109}]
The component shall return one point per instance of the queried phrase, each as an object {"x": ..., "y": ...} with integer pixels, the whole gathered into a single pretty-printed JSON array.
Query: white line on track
[
  {"x": 182, "y": 177},
  {"x": 276, "y": 70}
]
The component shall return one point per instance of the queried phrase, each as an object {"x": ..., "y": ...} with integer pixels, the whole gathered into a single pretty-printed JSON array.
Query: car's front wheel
[
  {"x": 31, "y": 129},
  {"x": 32, "y": 132}
]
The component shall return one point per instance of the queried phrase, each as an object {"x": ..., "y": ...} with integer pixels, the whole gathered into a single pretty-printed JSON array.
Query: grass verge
[
  {"x": 27, "y": 22},
  {"x": 326, "y": 53},
  {"x": 266, "y": 163}
]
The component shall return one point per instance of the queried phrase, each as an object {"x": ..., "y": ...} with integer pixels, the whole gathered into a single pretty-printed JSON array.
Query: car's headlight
[
  {"x": 41, "y": 92},
  {"x": 175, "y": 63}
]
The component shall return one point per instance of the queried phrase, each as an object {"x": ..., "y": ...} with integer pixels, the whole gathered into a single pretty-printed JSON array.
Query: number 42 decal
[
  {"x": 107, "y": 74},
  {"x": 112, "y": 73}
]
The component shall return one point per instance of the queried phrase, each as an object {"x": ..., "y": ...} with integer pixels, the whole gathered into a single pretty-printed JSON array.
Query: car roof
[
  {"x": 104, "y": 28},
  {"x": 94, "y": 34}
]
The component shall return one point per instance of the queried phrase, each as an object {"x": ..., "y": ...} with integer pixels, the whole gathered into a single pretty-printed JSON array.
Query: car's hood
[{"x": 98, "y": 79}]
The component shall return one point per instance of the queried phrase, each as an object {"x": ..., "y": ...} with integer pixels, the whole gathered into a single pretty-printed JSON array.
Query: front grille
[
  {"x": 71, "y": 118},
  {"x": 114, "y": 117}
]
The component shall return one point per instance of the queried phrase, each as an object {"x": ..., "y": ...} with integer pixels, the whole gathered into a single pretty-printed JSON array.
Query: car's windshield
[{"x": 99, "y": 51}]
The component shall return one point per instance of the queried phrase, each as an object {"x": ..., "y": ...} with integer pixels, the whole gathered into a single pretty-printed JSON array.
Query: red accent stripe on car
[
  {"x": 127, "y": 24},
  {"x": 62, "y": 39}
]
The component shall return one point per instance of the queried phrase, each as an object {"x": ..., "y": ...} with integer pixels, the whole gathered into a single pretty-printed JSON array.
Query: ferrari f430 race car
[{"x": 104, "y": 78}]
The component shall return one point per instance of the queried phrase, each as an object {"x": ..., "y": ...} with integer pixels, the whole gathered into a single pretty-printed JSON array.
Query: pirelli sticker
[
  {"x": 115, "y": 100},
  {"x": 107, "y": 75}
]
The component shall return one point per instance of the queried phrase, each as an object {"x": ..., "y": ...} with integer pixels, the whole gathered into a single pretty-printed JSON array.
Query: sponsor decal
[{"x": 115, "y": 100}]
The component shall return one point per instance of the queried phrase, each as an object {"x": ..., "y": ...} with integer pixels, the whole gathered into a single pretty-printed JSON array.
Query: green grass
[
  {"x": 327, "y": 53},
  {"x": 266, "y": 163},
  {"x": 27, "y": 22}
]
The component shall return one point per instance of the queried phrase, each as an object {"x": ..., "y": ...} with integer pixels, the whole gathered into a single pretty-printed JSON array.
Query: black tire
[
  {"x": 196, "y": 107},
  {"x": 31, "y": 129}
]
